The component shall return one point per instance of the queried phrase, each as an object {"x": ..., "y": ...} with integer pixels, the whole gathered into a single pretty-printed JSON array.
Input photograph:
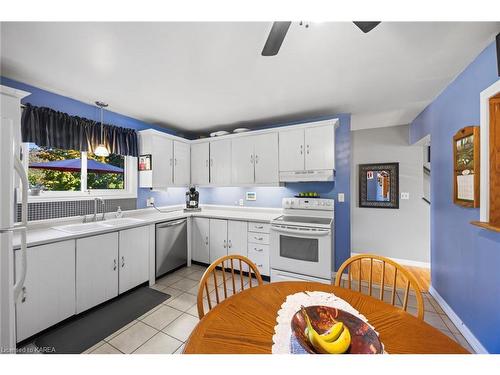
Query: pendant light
[{"x": 101, "y": 149}]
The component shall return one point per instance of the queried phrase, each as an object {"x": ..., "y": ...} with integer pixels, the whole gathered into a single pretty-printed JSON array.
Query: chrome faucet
[{"x": 95, "y": 208}]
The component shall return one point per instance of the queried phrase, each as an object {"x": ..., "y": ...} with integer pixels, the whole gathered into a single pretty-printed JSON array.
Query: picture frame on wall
[
  {"x": 466, "y": 167},
  {"x": 145, "y": 162},
  {"x": 379, "y": 185}
]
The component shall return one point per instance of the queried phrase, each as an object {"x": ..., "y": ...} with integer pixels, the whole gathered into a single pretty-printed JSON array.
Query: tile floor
[{"x": 165, "y": 328}]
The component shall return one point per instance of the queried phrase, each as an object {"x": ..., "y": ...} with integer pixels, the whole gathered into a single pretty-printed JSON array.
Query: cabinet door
[
  {"x": 320, "y": 147},
  {"x": 182, "y": 163},
  {"x": 291, "y": 150},
  {"x": 134, "y": 257},
  {"x": 96, "y": 270},
  {"x": 218, "y": 239},
  {"x": 200, "y": 244},
  {"x": 199, "y": 163},
  {"x": 242, "y": 160},
  {"x": 49, "y": 290},
  {"x": 237, "y": 237},
  {"x": 220, "y": 162},
  {"x": 266, "y": 158},
  {"x": 162, "y": 162}
]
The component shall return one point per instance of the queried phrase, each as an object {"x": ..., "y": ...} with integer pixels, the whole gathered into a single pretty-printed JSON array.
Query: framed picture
[
  {"x": 379, "y": 185},
  {"x": 466, "y": 167},
  {"x": 145, "y": 162}
]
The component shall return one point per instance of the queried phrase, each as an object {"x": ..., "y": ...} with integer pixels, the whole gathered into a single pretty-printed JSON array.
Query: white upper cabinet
[
  {"x": 170, "y": 160},
  {"x": 307, "y": 153},
  {"x": 182, "y": 163},
  {"x": 200, "y": 158},
  {"x": 255, "y": 159},
  {"x": 266, "y": 158},
  {"x": 220, "y": 162},
  {"x": 320, "y": 147},
  {"x": 291, "y": 150},
  {"x": 243, "y": 161}
]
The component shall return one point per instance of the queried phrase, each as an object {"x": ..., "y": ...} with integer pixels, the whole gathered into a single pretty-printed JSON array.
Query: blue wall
[
  {"x": 465, "y": 259},
  {"x": 267, "y": 196}
]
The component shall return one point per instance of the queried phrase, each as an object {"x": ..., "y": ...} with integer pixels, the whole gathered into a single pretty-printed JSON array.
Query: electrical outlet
[
  {"x": 241, "y": 202},
  {"x": 150, "y": 202},
  {"x": 405, "y": 195},
  {"x": 341, "y": 197}
]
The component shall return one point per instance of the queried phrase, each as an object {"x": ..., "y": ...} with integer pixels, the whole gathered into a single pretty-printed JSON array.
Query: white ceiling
[{"x": 202, "y": 76}]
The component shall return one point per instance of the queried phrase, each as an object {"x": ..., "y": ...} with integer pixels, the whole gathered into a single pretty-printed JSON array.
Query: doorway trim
[{"x": 484, "y": 199}]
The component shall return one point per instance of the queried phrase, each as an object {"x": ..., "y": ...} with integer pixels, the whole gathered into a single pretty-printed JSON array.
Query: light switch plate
[
  {"x": 341, "y": 197},
  {"x": 405, "y": 195},
  {"x": 241, "y": 202}
]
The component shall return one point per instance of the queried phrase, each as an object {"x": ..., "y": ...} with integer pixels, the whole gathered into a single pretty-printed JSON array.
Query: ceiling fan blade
[
  {"x": 275, "y": 38},
  {"x": 366, "y": 27}
]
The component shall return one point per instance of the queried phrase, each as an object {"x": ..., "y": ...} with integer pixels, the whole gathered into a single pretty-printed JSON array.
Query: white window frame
[{"x": 130, "y": 179}]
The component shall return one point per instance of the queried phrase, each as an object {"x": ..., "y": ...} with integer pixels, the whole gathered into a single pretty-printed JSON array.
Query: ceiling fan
[{"x": 279, "y": 30}]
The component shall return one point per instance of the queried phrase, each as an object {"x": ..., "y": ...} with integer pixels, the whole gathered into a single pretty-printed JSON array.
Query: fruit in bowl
[
  {"x": 334, "y": 341},
  {"x": 325, "y": 330}
]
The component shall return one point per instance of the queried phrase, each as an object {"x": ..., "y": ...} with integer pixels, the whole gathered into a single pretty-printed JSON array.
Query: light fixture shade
[{"x": 101, "y": 150}]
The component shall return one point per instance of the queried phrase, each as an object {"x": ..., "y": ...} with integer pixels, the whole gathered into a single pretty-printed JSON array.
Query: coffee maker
[{"x": 192, "y": 199}]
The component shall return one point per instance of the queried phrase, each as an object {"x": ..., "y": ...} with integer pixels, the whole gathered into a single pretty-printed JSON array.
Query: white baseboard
[
  {"x": 464, "y": 330},
  {"x": 405, "y": 262}
]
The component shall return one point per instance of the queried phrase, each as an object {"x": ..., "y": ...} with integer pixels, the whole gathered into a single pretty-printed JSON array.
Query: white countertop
[{"x": 42, "y": 232}]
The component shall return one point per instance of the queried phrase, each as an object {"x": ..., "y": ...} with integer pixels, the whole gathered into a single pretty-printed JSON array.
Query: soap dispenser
[{"x": 119, "y": 213}]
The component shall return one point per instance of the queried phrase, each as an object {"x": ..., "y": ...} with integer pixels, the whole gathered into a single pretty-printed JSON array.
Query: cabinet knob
[
  {"x": 225, "y": 244},
  {"x": 256, "y": 159},
  {"x": 123, "y": 261},
  {"x": 301, "y": 149},
  {"x": 259, "y": 250},
  {"x": 230, "y": 244},
  {"x": 307, "y": 149},
  {"x": 251, "y": 159},
  {"x": 206, "y": 240},
  {"x": 114, "y": 264}
]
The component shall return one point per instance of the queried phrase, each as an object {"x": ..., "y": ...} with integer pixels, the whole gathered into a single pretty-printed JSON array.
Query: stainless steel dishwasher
[{"x": 171, "y": 245}]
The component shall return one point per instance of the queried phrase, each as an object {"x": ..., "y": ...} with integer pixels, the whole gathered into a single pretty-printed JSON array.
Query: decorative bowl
[{"x": 364, "y": 340}]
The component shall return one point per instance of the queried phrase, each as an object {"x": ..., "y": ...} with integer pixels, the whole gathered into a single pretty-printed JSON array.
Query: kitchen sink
[
  {"x": 81, "y": 228},
  {"x": 122, "y": 221},
  {"x": 89, "y": 227}
]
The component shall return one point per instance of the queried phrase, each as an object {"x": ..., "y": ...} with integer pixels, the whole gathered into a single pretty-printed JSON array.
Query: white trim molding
[
  {"x": 484, "y": 199},
  {"x": 464, "y": 330},
  {"x": 405, "y": 262}
]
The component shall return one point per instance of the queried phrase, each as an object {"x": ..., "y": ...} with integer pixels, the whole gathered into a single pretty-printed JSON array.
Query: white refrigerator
[{"x": 13, "y": 190}]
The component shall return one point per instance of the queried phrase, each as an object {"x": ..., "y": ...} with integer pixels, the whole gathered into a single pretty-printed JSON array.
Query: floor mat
[{"x": 86, "y": 330}]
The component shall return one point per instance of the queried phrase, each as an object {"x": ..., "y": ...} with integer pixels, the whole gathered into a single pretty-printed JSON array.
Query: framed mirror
[{"x": 379, "y": 185}]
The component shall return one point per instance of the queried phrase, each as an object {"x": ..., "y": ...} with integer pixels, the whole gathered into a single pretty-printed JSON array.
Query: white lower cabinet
[
  {"x": 134, "y": 258},
  {"x": 96, "y": 270},
  {"x": 48, "y": 295},
  {"x": 200, "y": 235},
  {"x": 218, "y": 239},
  {"x": 237, "y": 239}
]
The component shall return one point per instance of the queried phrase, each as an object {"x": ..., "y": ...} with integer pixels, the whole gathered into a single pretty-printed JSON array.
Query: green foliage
[{"x": 69, "y": 181}]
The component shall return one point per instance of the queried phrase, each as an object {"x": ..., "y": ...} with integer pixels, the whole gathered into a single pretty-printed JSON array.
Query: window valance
[{"x": 49, "y": 128}]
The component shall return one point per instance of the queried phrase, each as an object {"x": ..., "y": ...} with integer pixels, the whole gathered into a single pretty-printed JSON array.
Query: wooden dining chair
[
  {"x": 383, "y": 273},
  {"x": 223, "y": 273}
]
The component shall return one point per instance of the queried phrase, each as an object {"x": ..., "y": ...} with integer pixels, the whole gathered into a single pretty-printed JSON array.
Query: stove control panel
[{"x": 308, "y": 204}]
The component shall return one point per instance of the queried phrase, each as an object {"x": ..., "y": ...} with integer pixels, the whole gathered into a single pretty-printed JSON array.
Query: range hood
[{"x": 308, "y": 176}]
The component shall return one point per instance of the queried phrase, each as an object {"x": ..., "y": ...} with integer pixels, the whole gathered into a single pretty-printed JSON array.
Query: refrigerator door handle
[{"x": 18, "y": 166}]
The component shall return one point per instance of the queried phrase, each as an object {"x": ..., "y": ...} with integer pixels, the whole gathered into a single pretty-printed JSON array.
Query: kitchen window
[{"x": 57, "y": 174}]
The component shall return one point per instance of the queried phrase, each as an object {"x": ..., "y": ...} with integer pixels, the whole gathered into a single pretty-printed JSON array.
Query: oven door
[{"x": 302, "y": 250}]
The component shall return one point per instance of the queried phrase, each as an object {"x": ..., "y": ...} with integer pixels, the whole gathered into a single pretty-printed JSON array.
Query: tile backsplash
[{"x": 59, "y": 209}]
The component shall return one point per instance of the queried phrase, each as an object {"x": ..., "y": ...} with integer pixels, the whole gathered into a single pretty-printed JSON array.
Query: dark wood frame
[
  {"x": 463, "y": 133},
  {"x": 393, "y": 168}
]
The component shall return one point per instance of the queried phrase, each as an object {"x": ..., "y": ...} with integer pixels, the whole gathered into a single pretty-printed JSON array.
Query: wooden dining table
[{"x": 244, "y": 323}]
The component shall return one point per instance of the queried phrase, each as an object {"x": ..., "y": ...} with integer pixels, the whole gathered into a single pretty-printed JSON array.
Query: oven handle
[{"x": 303, "y": 232}]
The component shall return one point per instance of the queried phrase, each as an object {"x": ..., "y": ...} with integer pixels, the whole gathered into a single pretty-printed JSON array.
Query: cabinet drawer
[
  {"x": 260, "y": 259},
  {"x": 260, "y": 238},
  {"x": 259, "y": 248},
  {"x": 259, "y": 227}
]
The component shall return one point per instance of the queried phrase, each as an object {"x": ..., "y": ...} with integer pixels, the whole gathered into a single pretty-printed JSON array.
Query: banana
[
  {"x": 333, "y": 333},
  {"x": 336, "y": 346}
]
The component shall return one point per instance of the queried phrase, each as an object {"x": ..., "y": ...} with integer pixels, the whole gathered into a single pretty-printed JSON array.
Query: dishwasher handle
[{"x": 171, "y": 223}]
